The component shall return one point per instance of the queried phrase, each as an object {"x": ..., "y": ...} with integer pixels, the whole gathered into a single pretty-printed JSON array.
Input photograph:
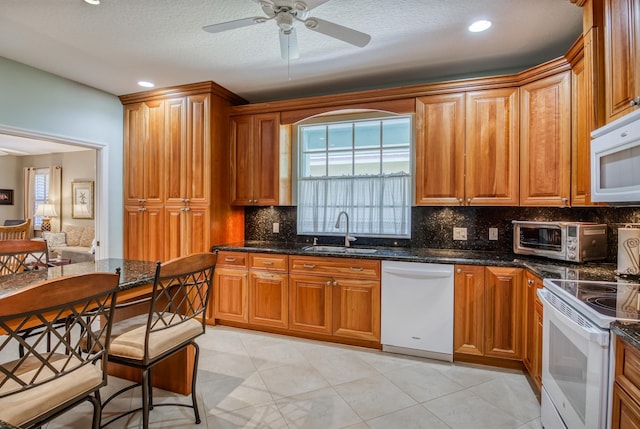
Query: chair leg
[
  {"x": 97, "y": 411},
  {"x": 145, "y": 398},
  {"x": 194, "y": 378},
  {"x": 150, "y": 388}
]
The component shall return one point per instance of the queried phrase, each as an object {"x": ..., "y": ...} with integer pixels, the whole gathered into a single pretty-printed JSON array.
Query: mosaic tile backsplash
[{"x": 432, "y": 227}]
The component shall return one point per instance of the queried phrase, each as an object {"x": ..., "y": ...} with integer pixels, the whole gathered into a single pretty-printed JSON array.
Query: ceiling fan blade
[
  {"x": 307, "y": 5},
  {"x": 230, "y": 25},
  {"x": 289, "y": 45},
  {"x": 337, "y": 31}
]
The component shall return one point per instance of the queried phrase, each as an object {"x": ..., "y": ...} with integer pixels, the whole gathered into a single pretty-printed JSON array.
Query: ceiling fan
[{"x": 286, "y": 13}]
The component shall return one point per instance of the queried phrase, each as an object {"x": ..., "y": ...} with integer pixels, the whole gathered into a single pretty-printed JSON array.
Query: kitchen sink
[{"x": 340, "y": 249}]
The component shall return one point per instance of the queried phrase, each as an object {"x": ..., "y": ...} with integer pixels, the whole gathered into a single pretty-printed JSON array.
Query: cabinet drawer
[
  {"x": 628, "y": 367},
  {"x": 265, "y": 261},
  {"x": 232, "y": 259},
  {"x": 335, "y": 267}
]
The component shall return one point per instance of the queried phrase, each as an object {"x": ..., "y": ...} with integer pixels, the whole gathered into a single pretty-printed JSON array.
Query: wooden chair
[
  {"x": 17, "y": 256},
  {"x": 41, "y": 385},
  {"x": 16, "y": 232},
  {"x": 176, "y": 316}
]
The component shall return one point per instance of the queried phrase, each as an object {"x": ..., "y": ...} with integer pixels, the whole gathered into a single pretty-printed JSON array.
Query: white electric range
[{"x": 577, "y": 349}]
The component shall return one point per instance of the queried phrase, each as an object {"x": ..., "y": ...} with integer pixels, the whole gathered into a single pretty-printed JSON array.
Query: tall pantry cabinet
[{"x": 176, "y": 172}]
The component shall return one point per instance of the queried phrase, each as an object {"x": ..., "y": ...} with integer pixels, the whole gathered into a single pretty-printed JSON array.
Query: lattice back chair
[
  {"x": 16, "y": 232},
  {"x": 41, "y": 385},
  {"x": 177, "y": 313},
  {"x": 17, "y": 256}
]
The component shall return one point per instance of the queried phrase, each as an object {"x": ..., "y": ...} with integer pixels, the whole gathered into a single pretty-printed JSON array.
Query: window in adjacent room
[
  {"x": 40, "y": 192},
  {"x": 361, "y": 166}
]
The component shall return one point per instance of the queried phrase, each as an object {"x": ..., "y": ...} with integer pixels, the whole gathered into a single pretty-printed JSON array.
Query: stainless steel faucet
[{"x": 347, "y": 238}]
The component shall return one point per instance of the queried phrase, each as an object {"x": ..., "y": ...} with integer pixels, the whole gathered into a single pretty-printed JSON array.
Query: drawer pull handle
[
  {"x": 267, "y": 263},
  {"x": 229, "y": 259},
  {"x": 357, "y": 269},
  {"x": 309, "y": 265}
]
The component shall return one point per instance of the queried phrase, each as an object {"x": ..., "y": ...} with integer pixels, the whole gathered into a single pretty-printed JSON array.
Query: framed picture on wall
[
  {"x": 82, "y": 200},
  {"x": 6, "y": 197}
]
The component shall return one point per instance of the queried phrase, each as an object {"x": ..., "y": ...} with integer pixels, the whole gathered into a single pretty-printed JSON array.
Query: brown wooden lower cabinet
[
  {"x": 325, "y": 298},
  {"x": 487, "y": 312},
  {"x": 626, "y": 388}
]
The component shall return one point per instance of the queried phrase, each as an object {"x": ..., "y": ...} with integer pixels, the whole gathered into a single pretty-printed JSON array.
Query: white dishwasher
[{"x": 417, "y": 309}]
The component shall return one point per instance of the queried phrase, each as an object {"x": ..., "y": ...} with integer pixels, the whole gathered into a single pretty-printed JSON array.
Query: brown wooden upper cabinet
[
  {"x": 467, "y": 148},
  {"x": 255, "y": 158},
  {"x": 545, "y": 141},
  {"x": 622, "y": 57}
]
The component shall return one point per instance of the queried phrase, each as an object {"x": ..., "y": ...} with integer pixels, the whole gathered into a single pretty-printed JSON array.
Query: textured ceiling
[{"x": 115, "y": 44}]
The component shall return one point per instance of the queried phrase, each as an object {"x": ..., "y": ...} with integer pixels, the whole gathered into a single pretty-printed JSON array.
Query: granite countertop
[
  {"x": 544, "y": 268},
  {"x": 132, "y": 273},
  {"x": 628, "y": 331}
]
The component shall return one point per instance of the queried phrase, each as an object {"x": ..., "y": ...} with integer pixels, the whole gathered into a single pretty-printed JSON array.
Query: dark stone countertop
[
  {"x": 132, "y": 273},
  {"x": 628, "y": 331},
  {"x": 544, "y": 268}
]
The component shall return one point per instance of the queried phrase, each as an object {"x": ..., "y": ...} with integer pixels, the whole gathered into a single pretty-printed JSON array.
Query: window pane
[
  {"x": 396, "y": 161},
  {"x": 314, "y": 138},
  {"x": 340, "y": 136},
  {"x": 396, "y": 132},
  {"x": 340, "y": 163},
  {"x": 367, "y": 162},
  {"x": 314, "y": 165},
  {"x": 367, "y": 134}
]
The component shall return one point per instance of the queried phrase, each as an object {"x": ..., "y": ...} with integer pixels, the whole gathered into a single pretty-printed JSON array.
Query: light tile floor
[{"x": 249, "y": 379}]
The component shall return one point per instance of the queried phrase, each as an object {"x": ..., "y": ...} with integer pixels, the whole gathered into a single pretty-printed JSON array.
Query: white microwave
[{"x": 615, "y": 161}]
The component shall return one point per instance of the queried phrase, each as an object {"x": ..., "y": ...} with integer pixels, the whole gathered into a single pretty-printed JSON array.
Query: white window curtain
[
  {"x": 29, "y": 193},
  {"x": 377, "y": 205},
  {"x": 55, "y": 195}
]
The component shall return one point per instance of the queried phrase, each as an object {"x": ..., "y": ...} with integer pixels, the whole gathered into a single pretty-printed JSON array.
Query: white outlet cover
[
  {"x": 459, "y": 233},
  {"x": 276, "y": 227},
  {"x": 493, "y": 233}
]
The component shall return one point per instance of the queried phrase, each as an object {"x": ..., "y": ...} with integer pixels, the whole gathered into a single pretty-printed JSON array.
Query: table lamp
[{"x": 46, "y": 211}]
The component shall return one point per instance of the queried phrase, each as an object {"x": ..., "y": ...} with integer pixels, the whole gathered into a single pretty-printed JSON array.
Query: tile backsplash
[{"x": 432, "y": 227}]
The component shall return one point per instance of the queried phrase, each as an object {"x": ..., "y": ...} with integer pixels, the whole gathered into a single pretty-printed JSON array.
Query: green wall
[{"x": 35, "y": 101}]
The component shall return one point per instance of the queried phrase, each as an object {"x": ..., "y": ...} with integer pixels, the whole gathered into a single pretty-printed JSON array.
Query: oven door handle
[{"x": 574, "y": 321}]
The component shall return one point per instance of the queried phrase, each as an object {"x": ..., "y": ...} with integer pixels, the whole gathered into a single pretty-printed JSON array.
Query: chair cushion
[
  {"x": 24, "y": 406},
  {"x": 127, "y": 337}
]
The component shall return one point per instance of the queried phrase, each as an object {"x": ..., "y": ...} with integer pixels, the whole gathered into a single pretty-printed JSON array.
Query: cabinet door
[
  {"x": 622, "y": 56},
  {"x": 241, "y": 128},
  {"x": 310, "y": 304},
  {"x": 187, "y": 230},
  {"x": 491, "y": 148},
  {"x": 536, "y": 362},
  {"x": 196, "y": 176},
  {"x": 266, "y": 173},
  {"x": 143, "y": 233},
  {"x": 143, "y": 152},
  {"x": 625, "y": 410},
  {"x": 268, "y": 298},
  {"x": 528, "y": 321},
  {"x": 503, "y": 318},
  {"x": 440, "y": 149},
  {"x": 468, "y": 310},
  {"x": 176, "y": 141},
  {"x": 356, "y": 309},
  {"x": 230, "y": 295},
  {"x": 545, "y": 141}
]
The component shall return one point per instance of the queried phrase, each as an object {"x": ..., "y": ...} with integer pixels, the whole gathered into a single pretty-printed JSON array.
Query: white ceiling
[
  {"x": 21, "y": 146},
  {"x": 115, "y": 44}
]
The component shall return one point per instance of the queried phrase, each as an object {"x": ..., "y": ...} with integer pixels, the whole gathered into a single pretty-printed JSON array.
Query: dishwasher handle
[{"x": 417, "y": 274}]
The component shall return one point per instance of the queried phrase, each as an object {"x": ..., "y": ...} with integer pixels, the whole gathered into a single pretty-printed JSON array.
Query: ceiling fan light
[
  {"x": 92, "y": 2},
  {"x": 479, "y": 26}
]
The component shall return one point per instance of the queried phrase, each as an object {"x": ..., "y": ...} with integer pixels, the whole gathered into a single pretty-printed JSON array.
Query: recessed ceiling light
[
  {"x": 146, "y": 84},
  {"x": 93, "y": 2},
  {"x": 479, "y": 26}
]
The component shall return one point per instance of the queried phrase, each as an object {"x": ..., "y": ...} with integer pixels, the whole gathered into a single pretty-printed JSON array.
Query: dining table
[{"x": 136, "y": 282}]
